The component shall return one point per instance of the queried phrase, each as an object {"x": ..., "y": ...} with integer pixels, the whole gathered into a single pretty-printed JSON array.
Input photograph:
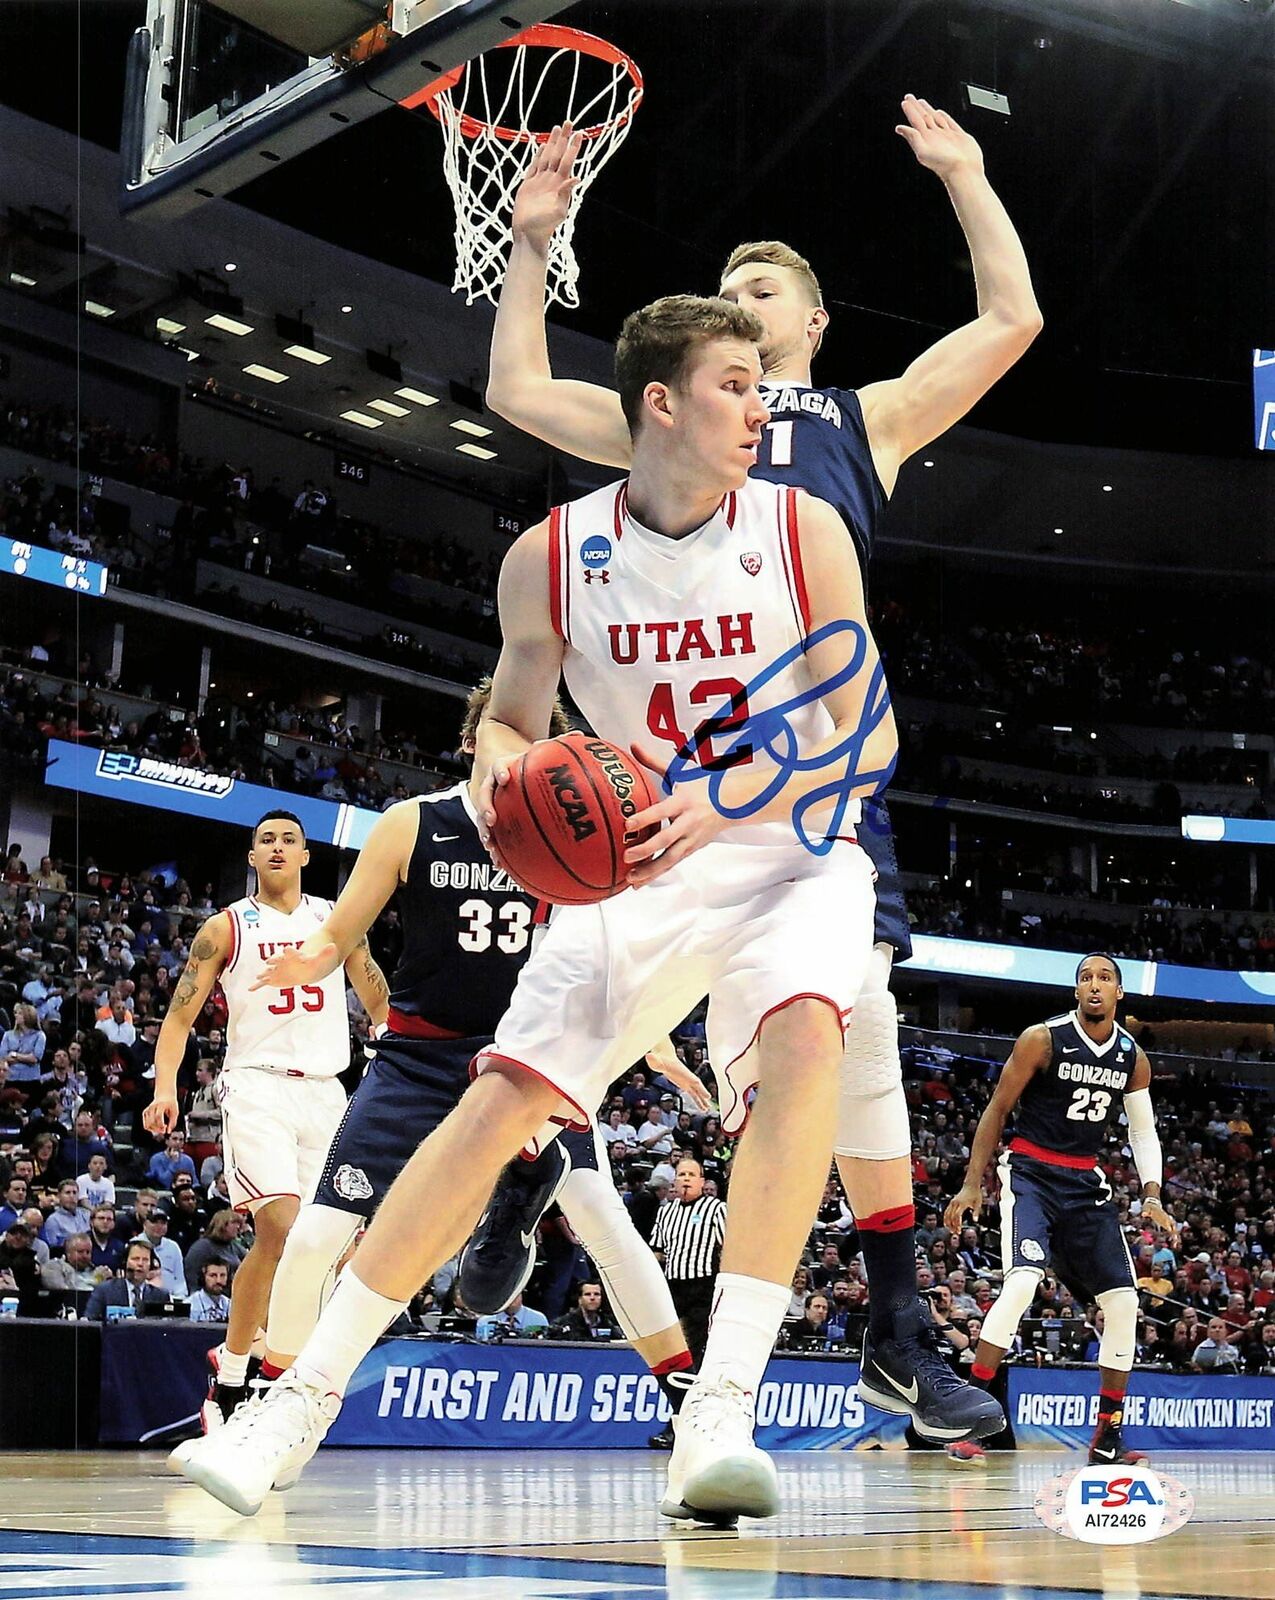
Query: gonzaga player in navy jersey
[
  {"x": 845, "y": 446},
  {"x": 467, "y": 930},
  {"x": 1065, "y": 1085}
]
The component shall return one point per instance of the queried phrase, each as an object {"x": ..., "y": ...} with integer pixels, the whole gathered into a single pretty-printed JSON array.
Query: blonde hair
[
  {"x": 774, "y": 253},
  {"x": 478, "y": 701},
  {"x": 658, "y": 343}
]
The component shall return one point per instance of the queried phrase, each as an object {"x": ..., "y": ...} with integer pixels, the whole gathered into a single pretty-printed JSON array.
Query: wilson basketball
[{"x": 562, "y": 820}]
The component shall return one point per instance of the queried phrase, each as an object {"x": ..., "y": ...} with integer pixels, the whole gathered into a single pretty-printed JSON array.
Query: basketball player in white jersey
[
  {"x": 846, "y": 446},
  {"x": 280, "y": 1099},
  {"x": 725, "y": 602}
]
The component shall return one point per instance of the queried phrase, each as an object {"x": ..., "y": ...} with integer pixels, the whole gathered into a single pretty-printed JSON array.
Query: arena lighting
[
  {"x": 347, "y": 309},
  {"x": 979, "y": 99},
  {"x": 464, "y": 425},
  {"x": 298, "y": 340},
  {"x": 254, "y": 369},
  {"x": 1106, "y": 488},
  {"x": 476, "y": 450},
  {"x": 229, "y": 324},
  {"x": 389, "y": 408},
  {"x": 95, "y": 308},
  {"x": 21, "y": 278},
  {"x": 232, "y": 266},
  {"x": 167, "y": 325},
  {"x": 362, "y": 419},
  {"x": 418, "y": 397}
]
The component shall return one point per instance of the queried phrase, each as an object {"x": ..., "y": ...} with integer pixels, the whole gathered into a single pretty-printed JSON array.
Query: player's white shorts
[
  {"x": 754, "y": 927},
  {"x": 275, "y": 1133}
]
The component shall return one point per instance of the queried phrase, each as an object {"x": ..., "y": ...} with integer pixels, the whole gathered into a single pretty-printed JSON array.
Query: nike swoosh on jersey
[
  {"x": 1105, "y": 1455},
  {"x": 445, "y": 838},
  {"x": 1067, "y": 1049}
]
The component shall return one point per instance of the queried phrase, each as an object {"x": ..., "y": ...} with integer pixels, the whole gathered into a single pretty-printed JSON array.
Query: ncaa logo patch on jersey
[
  {"x": 351, "y": 1183},
  {"x": 751, "y": 562},
  {"x": 596, "y": 552}
]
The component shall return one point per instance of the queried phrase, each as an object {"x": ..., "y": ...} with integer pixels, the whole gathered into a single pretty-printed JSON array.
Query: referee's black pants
[{"x": 693, "y": 1302}]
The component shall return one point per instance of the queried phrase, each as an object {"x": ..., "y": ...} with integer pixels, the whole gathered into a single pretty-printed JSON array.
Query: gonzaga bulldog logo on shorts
[
  {"x": 351, "y": 1183},
  {"x": 1030, "y": 1249}
]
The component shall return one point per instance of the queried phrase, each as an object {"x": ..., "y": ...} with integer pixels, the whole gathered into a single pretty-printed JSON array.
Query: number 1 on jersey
[{"x": 780, "y": 436}]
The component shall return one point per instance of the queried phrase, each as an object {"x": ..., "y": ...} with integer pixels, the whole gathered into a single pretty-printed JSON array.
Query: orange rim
[{"x": 549, "y": 36}]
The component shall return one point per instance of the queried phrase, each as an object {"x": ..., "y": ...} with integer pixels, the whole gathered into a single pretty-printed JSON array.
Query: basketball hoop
[{"x": 487, "y": 107}]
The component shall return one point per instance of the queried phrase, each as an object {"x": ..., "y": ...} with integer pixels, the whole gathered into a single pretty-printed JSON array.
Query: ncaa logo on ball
[
  {"x": 1114, "y": 1505},
  {"x": 595, "y": 552}
]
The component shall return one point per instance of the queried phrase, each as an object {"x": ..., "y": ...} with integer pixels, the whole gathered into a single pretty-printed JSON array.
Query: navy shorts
[
  {"x": 581, "y": 1149},
  {"x": 1063, "y": 1217},
  {"x": 876, "y": 836},
  {"x": 409, "y": 1087}
]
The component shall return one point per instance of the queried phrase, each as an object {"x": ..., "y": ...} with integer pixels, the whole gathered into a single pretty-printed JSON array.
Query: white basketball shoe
[
  {"x": 264, "y": 1445},
  {"x": 716, "y": 1472}
]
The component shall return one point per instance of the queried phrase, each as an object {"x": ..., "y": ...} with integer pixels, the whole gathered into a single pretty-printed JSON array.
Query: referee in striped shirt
[{"x": 687, "y": 1238}]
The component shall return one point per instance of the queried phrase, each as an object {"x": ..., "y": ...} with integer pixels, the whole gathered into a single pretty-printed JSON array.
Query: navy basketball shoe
[
  {"x": 500, "y": 1257},
  {"x": 907, "y": 1374}
]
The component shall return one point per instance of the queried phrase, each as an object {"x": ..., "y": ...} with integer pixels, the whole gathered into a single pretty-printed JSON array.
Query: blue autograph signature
[{"x": 772, "y": 732}]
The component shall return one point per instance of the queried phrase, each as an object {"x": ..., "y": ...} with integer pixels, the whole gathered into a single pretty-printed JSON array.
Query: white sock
[
  {"x": 352, "y": 1321},
  {"x": 232, "y": 1369},
  {"x": 741, "y": 1335}
]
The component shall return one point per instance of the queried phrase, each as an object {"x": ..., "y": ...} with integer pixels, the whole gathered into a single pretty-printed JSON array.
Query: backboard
[{"x": 218, "y": 94}]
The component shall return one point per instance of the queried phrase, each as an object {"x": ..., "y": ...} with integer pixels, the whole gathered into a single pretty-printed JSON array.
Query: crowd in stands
[
  {"x": 88, "y": 961},
  {"x": 1246, "y": 944},
  {"x": 224, "y": 516}
]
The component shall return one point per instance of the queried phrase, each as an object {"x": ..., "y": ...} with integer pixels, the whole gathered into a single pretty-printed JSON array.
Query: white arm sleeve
[{"x": 1144, "y": 1141}]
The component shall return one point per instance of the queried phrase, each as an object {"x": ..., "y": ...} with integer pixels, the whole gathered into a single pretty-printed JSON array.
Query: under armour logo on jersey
[
  {"x": 602, "y": 577},
  {"x": 751, "y": 562}
]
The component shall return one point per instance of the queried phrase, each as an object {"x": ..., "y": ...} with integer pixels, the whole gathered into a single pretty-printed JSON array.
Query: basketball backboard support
[{"x": 217, "y": 95}]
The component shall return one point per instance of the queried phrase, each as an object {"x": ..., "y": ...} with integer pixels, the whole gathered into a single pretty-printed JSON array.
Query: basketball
[{"x": 562, "y": 820}]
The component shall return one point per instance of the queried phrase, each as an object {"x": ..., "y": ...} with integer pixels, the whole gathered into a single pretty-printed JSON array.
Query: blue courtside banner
[
  {"x": 577, "y": 1397},
  {"x": 1162, "y": 1412},
  {"x": 428, "y": 1394}
]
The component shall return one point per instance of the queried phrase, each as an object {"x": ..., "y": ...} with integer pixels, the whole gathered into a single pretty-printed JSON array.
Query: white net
[{"x": 495, "y": 117}]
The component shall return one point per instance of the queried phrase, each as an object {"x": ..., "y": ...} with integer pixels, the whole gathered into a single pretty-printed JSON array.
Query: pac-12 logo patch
[
  {"x": 751, "y": 562},
  {"x": 595, "y": 552},
  {"x": 351, "y": 1183}
]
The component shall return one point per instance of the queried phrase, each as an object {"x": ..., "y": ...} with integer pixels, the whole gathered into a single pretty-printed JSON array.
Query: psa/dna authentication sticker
[{"x": 1114, "y": 1505}]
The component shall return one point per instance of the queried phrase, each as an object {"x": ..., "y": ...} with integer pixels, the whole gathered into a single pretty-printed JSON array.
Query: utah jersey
[
  {"x": 466, "y": 925},
  {"x": 662, "y": 634},
  {"x": 816, "y": 441},
  {"x": 1067, "y": 1108},
  {"x": 303, "y": 1030}
]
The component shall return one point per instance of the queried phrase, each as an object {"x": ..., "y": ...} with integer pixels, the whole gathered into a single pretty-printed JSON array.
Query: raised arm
[
  {"x": 904, "y": 414},
  {"x": 525, "y": 681},
  {"x": 583, "y": 419},
  {"x": 208, "y": 956},
  {"x": 381, "y": 865},
  {"x": 1030, "y": 1055}
]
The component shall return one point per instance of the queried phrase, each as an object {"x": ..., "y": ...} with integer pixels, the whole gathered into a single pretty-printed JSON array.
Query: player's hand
[
  {"x": 160, "y": 1117},
  {"x": 544, "y": 195},
  {"x": 1155, "y": 1213},
  {"x": 969, "y": 1198},
  {"x": 687, "y": 820},
  {"x": 485, "y": 809},
  {"x": 290, "y": 969},
  {"x": 671, "y": 1067},
  {"x": 937, "y": 141}
]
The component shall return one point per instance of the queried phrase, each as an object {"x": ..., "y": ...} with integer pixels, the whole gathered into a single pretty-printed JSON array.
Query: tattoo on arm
[{"x": 203, "y": 949}]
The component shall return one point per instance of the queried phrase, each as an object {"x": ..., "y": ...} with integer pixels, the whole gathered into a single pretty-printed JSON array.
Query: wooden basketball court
[{"x": 539, "y": 1526}]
